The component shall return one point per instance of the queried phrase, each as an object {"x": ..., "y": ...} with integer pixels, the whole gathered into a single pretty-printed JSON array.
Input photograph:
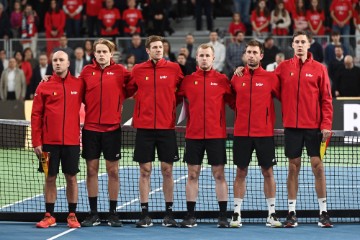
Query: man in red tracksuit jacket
[
  {"x": 307, "y": 118},
  {"x": 104, "y": 95},
  {"x": 55, "y": 128},
  {"x": 206, "y": 91},
  {"x": 156, "y": 82},
  {"x": 254, "y": 129}
]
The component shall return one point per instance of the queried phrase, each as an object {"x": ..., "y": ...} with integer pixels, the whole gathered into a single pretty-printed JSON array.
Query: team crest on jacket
[
  {"x": 146, "y": 78},
  {"x": 196, "y": 82},
  {"x": 93, "y": 73},
  {"x": 243, "y": 84},
  {"x": 291, "y": 74},
  {"x": 54, "y": 93}
]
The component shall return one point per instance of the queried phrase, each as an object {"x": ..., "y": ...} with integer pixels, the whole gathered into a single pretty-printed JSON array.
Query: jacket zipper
[
  {"x": 298, "y": 93},
  {"x": 154, "y": 65},
  {"x": 251, "y": 74},
  {"x": 63, "y": 128},
  {"x": 204, "y": 105},
  {"x": 101, "y": 76}
]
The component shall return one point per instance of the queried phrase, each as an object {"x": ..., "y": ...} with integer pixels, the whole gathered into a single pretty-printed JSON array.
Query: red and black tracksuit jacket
[
  {"x": 104, "y": 94},
  {"x": 55, "y": 112},
  {"x": 254, "y": 111},
  {"x": 305, "y": 94},
  {"x": 155, "y": 85},
  {"x": 206, "y": 93}
]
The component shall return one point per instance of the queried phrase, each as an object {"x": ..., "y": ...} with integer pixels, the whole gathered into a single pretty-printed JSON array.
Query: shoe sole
[
  {"x": 169, "y": 225},
  {"x": 115, "y": 225},
  {"x": 189, "y": 226},
  {"x": 73, "y": 227},
  {"x": 236, "y": 225},
  {"x": 273, "y": 226},
  {"x": 325, "y": 226},
  {"x": 52, "y": 225},
  {"x": 93, "y": 225},
  {"x": 144, "y": 226},
  {"x": 290, "y": 225}
]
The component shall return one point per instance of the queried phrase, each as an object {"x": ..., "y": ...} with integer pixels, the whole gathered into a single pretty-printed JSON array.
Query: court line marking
[
  {"x": 125, "y": 204},
  {"x": 62, "y": 234}
]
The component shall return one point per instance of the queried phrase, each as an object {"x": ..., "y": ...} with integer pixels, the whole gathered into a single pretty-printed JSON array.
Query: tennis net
[{"x": 21, "y": 185}]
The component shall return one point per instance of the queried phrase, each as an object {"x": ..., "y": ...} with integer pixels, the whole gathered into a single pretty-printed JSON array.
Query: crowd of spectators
[{"x": 263, "y": 19}]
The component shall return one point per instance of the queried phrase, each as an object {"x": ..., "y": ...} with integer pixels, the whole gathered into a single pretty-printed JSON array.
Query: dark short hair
[
  {"x": 151, "y": 39},
  {"x": 255, "y": 43},
  {"x": 298, "y": 33},
  {"x": 338, "y": 46}
]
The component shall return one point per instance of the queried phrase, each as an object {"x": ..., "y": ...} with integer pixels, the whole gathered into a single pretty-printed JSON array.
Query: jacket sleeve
[
  {"x": 37, "y": 117},
  {"x": 325, "y": 101},
  {"x": 275, "y": 86},
  {"x": 23, "y": 84},
  {"x": 2, "y": 86},
  {"x": 180, "y": 93},
  {"x": 131, "y": 86},
  {"x": 126, "y": 82}
]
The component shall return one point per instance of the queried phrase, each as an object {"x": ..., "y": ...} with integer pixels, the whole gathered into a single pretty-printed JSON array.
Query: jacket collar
[
  {"x": 56, "y": 78},
  {"x": 96, "y": 64},
  {"x": 297, "y": 60}
]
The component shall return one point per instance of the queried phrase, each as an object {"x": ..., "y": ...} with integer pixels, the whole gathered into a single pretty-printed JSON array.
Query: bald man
[
  {"x": 347, "y": 80},
  {"x": 55, "y": 128}
]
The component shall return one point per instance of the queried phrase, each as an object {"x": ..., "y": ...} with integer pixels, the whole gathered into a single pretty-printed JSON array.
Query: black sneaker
[
  {"x": 189, "y": 221},
  {"x": 169, "y": 221},
  {"x": 92, "y": 220},
  {"x": 235, "y": 220},
  {"x": 324, "y": 220},
  {"x": 222, "y": 221},
  {"x": 144, "y": 221},
  {"x": 291, "y": 220},
  {"x": 114, "y": 221}
]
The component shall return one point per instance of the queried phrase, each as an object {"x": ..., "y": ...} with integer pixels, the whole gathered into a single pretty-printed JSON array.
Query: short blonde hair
[
  {"x": 108, "y": 43},
  {"x": 205, "y": 46}
]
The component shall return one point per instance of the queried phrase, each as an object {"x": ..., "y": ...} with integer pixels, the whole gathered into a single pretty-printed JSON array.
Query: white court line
[
  {"x": 123, "y": 205},
  {"x": 62, "y": 234}
]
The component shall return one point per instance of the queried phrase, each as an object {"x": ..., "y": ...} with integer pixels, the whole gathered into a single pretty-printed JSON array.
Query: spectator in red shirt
[
  {"x": 315, "y": 17},
  {"x": 29, "y": 28},
  {"x": 236, "y": 25},
  {"x": 260, "y": 20},
  {"x": 132, "y": 19},
  {"x": 289, "y": 5},
  {"x": 299, "y": 16},
  {"x": 54, "y": 26},
  {"x": 92, "y": 11},
  {"x": 15, "y": 20},
  {"x": 341, "y": 12},
  {"x": 72, "y": 9},
  {"x": 109, "y": 18}
]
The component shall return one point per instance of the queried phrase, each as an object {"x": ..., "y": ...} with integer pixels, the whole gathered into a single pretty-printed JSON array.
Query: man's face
[
  {"x": 213, "y": 37},
  {"x": 79, "y": 54},
  {"x": 136, "y": 41},
  {"x": 63, "y": 41},
  {"x": 109, "y": 3},
  {"x": 60, "y": 62},
  {"x": 43, "y": 60},
  {"x": 181, "y": 59},
  {"x": 12, "y": 63},
  {"x": 301, "y": 45},
  {"x": 253, "y": 56},
  {"x": 102, "y": 54},
  {"x": 155, "y": 50},
  {"x": 189, "y": 39},
  {"x": 205, "y": 58},
  {"x": 239, "y": 37},
  {"x": 338, "y": 52}
]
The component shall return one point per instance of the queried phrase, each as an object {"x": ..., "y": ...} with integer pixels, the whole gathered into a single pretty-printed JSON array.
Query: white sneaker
[
  {"x": 235, "y": 220},
  {"x": 273, "y": 221}
]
